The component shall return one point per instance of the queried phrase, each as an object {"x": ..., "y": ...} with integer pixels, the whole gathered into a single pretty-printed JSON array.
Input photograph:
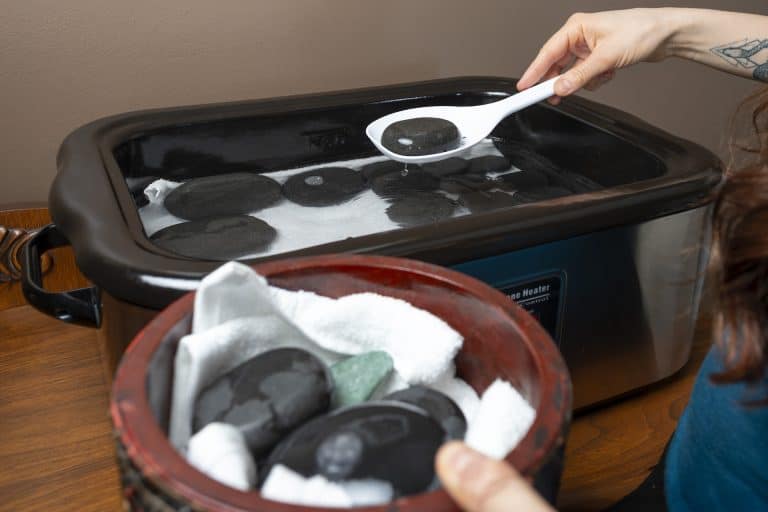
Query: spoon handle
[{"x": 502, "y": 108}]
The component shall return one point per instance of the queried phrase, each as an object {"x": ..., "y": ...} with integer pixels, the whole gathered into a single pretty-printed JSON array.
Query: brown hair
[{"x": 739, "y": 259}]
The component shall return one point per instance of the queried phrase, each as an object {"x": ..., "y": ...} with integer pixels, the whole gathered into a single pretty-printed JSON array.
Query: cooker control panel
[{"x": 542, "y": 297}]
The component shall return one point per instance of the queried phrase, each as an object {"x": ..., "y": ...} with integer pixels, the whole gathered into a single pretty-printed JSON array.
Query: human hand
[
  {"x": 592, "y": 46},
  {"x": 481, "y": 484}
]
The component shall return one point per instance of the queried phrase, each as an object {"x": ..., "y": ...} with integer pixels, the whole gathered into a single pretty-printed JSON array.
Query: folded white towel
[
  {"x": 233, "y": 291},
  {"x": 284, "y": 484},
  {"x": 219, "y": 450},
  {"x": 502, "y": 419},
  {"x": 421, "y": 345},
  {"x": 154, "y": 215}
]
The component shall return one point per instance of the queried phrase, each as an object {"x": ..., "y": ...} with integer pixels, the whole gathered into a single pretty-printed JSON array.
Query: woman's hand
[
  {"x": 482, "y": 484},
  {"x": 590, "y": 47},
  {"x": 593, "y": 46}
]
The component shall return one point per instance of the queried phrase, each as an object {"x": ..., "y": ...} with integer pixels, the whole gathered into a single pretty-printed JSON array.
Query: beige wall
[{"x": 63, "y": 63}]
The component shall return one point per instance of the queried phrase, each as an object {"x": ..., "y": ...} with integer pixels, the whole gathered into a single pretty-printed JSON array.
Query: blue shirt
[{"x": 718, "y": 456}]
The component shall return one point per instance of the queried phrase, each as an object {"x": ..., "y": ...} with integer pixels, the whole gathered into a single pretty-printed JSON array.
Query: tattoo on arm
[{"x": 748, "y": 54}]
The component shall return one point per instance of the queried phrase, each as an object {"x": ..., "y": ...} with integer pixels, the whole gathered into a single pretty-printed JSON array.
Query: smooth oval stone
[
  {"x": 376, "y": 169},
  {"x": 447, "y": 167},
  {"x": 323, "y": 187},
  {"x": 222, "y": 195},
  {"x": 489, "y": 163},
  {"x": 421, "y": 136},
  {"x": 218, "y": 238},
  {"x": 465, "y": 182},
  {"x": 390, "y": 441},
  {"x": 267, "y": 396},
  {"x": 399, "y": 184},
  {"x": 522, "y": 180},
  {"x": 543, "y": 193},
  {"x": 421, "y": 208},
  {"x": 524, "y": 157},
  {"x": 357, "y": 377},
  {"x": 484, "y": 201},
  {"x": 437, "y": 405}
]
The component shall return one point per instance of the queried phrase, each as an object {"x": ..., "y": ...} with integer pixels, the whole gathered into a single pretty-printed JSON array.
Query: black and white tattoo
[{"x": 748, "y": 54}]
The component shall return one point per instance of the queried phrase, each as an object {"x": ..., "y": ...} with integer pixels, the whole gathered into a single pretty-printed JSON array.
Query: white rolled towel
[{"x": 219, "y": 450}]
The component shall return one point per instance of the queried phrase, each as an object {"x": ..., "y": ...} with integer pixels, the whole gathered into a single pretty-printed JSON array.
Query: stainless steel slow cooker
[{"x": 607, "y": 251}]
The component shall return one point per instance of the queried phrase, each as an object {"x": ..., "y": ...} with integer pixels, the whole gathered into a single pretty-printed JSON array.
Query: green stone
[{"x": 355, "y": 379}]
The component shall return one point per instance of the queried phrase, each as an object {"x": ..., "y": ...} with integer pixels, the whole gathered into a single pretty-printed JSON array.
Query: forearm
[{"x": 733, "y": 42}]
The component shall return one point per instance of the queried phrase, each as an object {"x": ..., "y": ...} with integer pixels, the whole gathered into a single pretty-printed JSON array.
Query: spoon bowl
[{"x": 474, "y": 123}]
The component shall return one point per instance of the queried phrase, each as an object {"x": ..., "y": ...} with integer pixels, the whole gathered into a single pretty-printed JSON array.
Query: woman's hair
[{"x": 739, "y": 259}]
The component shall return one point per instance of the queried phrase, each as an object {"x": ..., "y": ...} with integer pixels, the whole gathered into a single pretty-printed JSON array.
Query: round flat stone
[
  {"x": 391, "y": 441},
  {"x": 421, "y": 136},
  {"x": 485, "y": 201},
  {"x": 437, "y": 405},
  {"x": 376, "y": 169},
  {"x": 421, "y": 208},
  {"x": 222, "y": 195},
  {"x": 404, "y": 182},
  {"x": 323, "y": 187},
  {"x": 522, "y": 180},
  {"x": 267, "y": 396},
  {"x": 447, "y": 167},
  {"x": 489, "y": 163},
  {"x": 467, "y": 182},
  {"x": 524, "y": 157},
  {"x": 219, "y": 238}
]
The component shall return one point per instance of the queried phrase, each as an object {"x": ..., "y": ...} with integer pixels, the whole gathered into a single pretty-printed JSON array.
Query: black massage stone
[
  {"x": 467, "y": 182},
  {"x": 447, "y": 167},
  {"x": 484, "y": 201},
  {"x": 404, "y": 182},
  {"x": 420, "y": 208},
  {"x": 222, "y": 195},
  {"x": 524, "y": 157},
  {"x": 267, "y": 396},
  {"x": 374, "y": 170},
  {"x": 489, "y": 163},
  {"x": 421, "y": 136},
  {"x": 391, "y": 441},
  {"x": 218, "y": 238},
  {"x": 436, "y": 404},
  {"x": 323, "y": 187}
]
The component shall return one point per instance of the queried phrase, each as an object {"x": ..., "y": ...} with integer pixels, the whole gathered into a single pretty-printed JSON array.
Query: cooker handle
[{"x": 81, "y": 306}]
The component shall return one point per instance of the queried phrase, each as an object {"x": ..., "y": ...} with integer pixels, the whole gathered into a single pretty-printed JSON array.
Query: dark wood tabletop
[{"x": 55, "y": 434}]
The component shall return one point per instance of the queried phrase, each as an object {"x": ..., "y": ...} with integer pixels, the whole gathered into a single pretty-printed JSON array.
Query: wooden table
[{"x": 55, "y": 434}]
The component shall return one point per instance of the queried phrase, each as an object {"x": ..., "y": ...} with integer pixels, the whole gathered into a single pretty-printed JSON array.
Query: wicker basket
[{"x": 501, "y": 340}]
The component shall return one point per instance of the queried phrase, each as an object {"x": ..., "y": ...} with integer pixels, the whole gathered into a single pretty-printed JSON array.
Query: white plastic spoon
[{"x": 474, "y": 123}]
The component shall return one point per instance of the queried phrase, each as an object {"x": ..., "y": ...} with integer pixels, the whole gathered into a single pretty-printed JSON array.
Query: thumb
[
  {"x": 583, "y": 73},
  {"x": 481, "y": 484}
]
